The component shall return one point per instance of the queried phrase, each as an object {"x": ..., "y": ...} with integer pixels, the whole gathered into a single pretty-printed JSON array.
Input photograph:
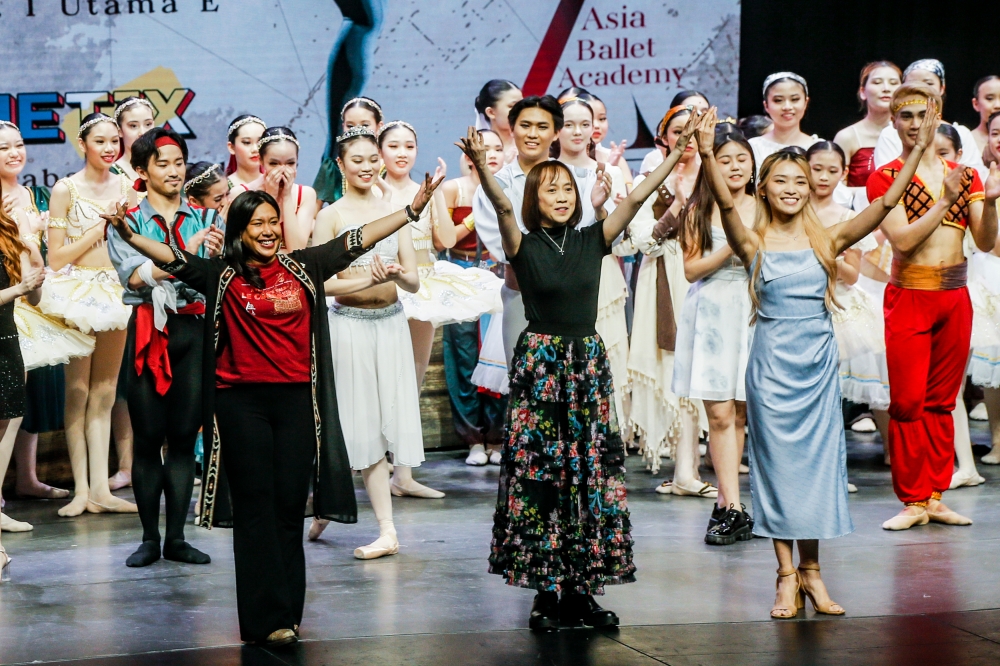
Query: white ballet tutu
[
  {"x": 450, "y": 294},
  {"x": 859, "y": 324},
  {"x": 377, "y": 394},
  {"x": 46, "y": 340},
  {"x": 864, "y": 380},
  {"x": 491, "y": 371},
  {"x": 613, "y": 330},
  {"x": 89, "y": 299},
  {"x": 984, "y": 292},
  {"x": 713, "y": 338},
  {"x": 984, "y": 367}
]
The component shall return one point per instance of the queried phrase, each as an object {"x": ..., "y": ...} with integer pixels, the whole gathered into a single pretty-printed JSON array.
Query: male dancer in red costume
[{"x": 928, "y": 315}]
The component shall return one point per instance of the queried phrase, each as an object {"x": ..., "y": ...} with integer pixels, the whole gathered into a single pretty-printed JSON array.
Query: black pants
[
  {"x": 175, "y": 417},
  {"x": 268, "y": 446}
]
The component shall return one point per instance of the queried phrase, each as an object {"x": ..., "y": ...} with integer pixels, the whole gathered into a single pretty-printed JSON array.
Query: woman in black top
[
  {"x": 562, "y": 521},
  {"x": 269, "y": 396}
]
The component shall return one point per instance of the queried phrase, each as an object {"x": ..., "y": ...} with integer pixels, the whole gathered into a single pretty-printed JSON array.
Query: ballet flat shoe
[
  {"x": 316, "y": 528},
  {"x": 706, "y": 490},
  {"x": 851, "y": 488},
  {"x": 948, "y": 518},
  {"x": 8, "y": 524},
  {"x": 959, "y": 480},
  {"x": 992, "y": 458},
  {"x": 279, "y": 638},
  {"x": 477, "y": 456},
  {"x": 744, "y": 469},
  {"x": 421, "y": 491},
  {"x": 904, "y": 522}
]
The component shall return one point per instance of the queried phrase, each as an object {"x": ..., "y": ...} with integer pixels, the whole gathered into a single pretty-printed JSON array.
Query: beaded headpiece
[
  {"x": 203, "y": 176},
  {"x": 897, "y": 107},
  {"x": 245, "y": 121},
  {"x": 357, "y": 130},
  {"x": 132, "y": 102},
  {"x": 7, "y": 123},
  {"x": 277, "y": 137},
  {"x": 397, "y": 123},
  {"x": 365, "y": 100},
  {"x": 777, "y": 76},
  {"x": 101, "y": 118},
  {"x": 932, "y": 65}
]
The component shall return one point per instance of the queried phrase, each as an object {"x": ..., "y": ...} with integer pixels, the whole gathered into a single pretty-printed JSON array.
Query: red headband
[{"x": 140, "y": 185}]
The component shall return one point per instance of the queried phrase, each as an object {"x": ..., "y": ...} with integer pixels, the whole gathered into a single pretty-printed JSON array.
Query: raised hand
[
  {"x": 932, "y": 119},
  {"x": 426, "y": 191},
  {"x": 9, "y": 204},
  {"x": 602, "y": 188},
  {"x": 616, "y": 152},
  {"x": 954, "y": 182},
  {"x": 379, "y": 272},
  {"x": 706, "y": 131},
  {"x": 688, "y": 130},
  {"x": 474, "y": 148},
  {"x": 117, "y": 220},
  {"x": 214, "y": 240}
]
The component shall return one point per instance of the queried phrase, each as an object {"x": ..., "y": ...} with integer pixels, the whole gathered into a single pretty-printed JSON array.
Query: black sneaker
[
  {"x": 734, "y": 526},
  {"x": 718, "y": 512},
  {"x": 544, "y": 612},
  {"x": 578, "y": 610}
]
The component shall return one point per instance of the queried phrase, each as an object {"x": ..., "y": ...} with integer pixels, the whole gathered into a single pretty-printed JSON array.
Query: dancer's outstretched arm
[
  {"x": 849, "y": 232},
  {"x": 743, "y": 242},
  {"x": 626, "y": 210},
  {"x": 510, "y": 235}
]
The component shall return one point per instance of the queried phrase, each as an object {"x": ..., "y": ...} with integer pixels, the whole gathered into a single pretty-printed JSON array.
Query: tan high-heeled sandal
[
  {"x": 832, "y": 608},
  {"x": 784, "y": 612}
]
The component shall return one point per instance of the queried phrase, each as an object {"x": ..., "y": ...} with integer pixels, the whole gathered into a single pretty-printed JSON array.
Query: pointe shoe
[
  {"x": 979, "y": 413},
  {"x": 5, "y": 567},
  {"x": 851, "y": 488},
  {"x": 8, "y": 524},
  {"x": 477, "y": 456},
  {"x": 937, "y": 512},
  {"x": 959, "y": 480},
  {"x": 387, "y": 544},
  {"x": 706, "y": 490},
  {"x": 993, "y": 457},
  {"x": 744, "y": 469},
  {"x": 904, "y": 521},
  {"x": 864, "y": 425},
  {"x": 831, "y": 608},
  {"x": 788, "y": 612},
  {"x": 317, "y": 527},
  {"x": 416, "y": 490}
]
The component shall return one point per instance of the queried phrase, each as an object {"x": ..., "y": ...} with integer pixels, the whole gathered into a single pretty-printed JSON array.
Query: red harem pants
[{"x": 927, "y": 336}]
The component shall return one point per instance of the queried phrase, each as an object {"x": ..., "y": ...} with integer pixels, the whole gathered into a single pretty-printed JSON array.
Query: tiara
[
  {"x": 357, "y": 130},
  {"x": 204, "y": 175},
  {"x": 132, "y": 102},
  {"x": 922, "y": 100},
  {"x": 396, "y": 123},
  {"x": 244, "y": 121},
  {"x": 277, "y": 137},
  {"x": 366, "y": 100},
  {"x": 101, "y": 118},
  {"x": 777, "y": 76},
  {"x": 7, "y": 123}
]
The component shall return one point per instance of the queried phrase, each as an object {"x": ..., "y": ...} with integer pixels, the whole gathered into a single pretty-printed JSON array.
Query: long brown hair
[
  {"x": 11, "y": 245},
  {"x": 696, "y": 230},
  {"x": 543, "y": 174},
  {"x": 866, "y": 72},
  {"x": 819, "y": 238}
]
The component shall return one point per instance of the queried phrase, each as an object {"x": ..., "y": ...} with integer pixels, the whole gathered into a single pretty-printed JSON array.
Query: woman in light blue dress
[{"x": 798, "y": 456}]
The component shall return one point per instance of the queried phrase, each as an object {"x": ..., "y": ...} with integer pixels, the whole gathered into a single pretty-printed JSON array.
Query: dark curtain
[{"x": 829, "y": 42}]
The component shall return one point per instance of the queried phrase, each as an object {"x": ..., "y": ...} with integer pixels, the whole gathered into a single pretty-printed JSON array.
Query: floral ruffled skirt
[{"x": 562, "y": 521}]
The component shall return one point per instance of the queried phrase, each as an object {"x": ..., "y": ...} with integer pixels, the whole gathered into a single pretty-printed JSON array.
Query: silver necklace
[
  {"x": 786, "y": 235},
  {"x": 558, "y": 247}
]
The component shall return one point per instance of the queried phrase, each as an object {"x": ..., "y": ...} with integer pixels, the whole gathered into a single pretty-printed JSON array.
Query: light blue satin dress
[{"x": 798, "y": 455}]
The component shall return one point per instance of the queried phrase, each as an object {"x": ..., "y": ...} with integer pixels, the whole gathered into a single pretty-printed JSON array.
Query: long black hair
[{"x": 238, "y": 219}]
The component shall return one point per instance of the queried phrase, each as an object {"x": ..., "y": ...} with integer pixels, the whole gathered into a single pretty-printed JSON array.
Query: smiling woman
[{"x": 267, "y": 344}]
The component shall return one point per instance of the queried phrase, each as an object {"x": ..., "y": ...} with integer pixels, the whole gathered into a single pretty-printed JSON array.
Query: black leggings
[
  {"x": 268, "y": 443},
  {"x": 175, "y": 417}
]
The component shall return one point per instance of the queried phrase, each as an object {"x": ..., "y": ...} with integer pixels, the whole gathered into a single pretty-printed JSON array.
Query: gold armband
[
  {"x": 35, "y": 238},
  {"x": 58, "y": 223},
  {"x": 470, "y": 223}
]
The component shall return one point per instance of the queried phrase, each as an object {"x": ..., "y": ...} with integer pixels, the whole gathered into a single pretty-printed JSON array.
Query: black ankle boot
[
  {"x": 718, "y": 513},
  {"x": 577, "y": 610},
  {"x": 544, "y": 612},
  {"x": 734, "y": 526}
]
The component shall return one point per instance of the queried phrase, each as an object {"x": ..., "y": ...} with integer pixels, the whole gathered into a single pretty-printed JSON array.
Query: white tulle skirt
[
  {"x": 377, "y": 394},
  {"x": 45, "y": 340},
  {"x": 491, "y": 370},
  {"x": 984, "y": 291},
  {"x": 89, "y": 299},
  {"x": 860, "y": 331},
  {"x": 612, "y": 328},
  {"x": 450, "y": 294}
]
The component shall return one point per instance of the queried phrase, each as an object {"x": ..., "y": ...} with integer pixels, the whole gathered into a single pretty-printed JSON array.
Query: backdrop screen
[{"x": 203, "y": 62}]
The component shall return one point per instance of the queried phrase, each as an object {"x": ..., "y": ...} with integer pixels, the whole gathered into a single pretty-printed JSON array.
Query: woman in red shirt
[{"x": 269, "y": 395}]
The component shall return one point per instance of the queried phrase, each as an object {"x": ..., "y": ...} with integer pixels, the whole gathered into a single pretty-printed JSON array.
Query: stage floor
[{"x": 926, "y": 596}]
